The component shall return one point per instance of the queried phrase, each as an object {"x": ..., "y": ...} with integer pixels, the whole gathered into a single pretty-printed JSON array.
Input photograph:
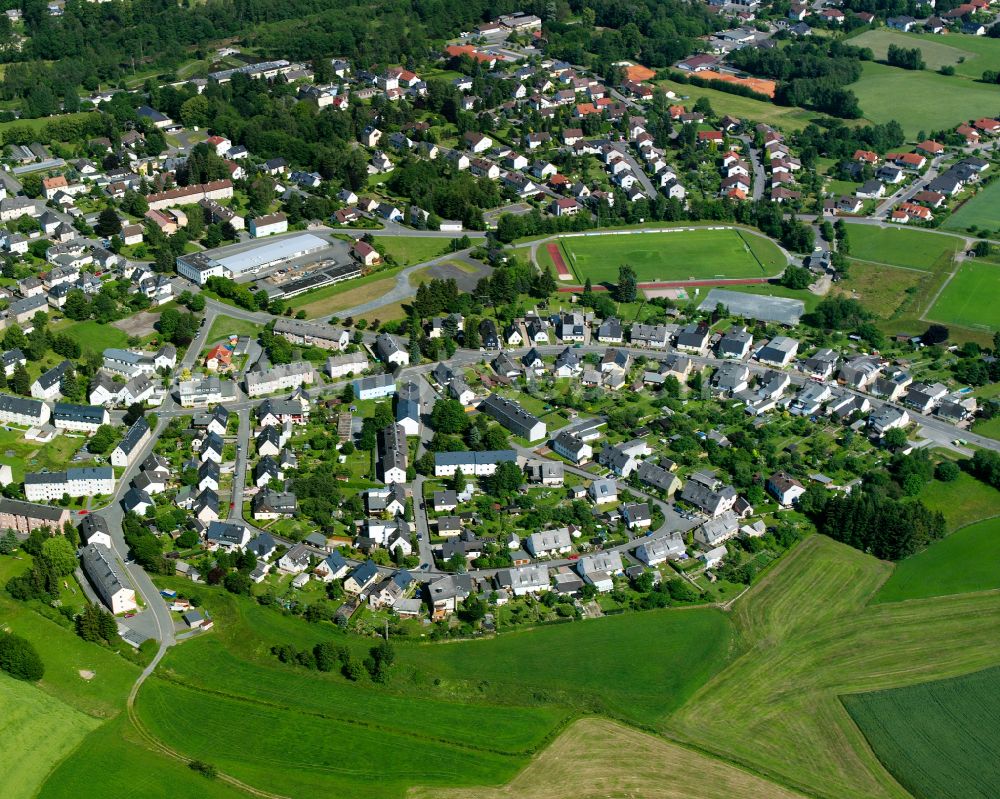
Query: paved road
[
  {"x": 754, "y": 156},
  {"x": 240, "y": 469}
]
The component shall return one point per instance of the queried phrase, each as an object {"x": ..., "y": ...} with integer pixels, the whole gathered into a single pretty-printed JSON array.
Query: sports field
[
  {"x": 808, "y": 637},
  {"x": 956, "y": 98},
  {"x": 36, "y": 732},
  {"x": 970, "y": 298},
  {"x": 964, "y": 561},
  {"x": 983, "y": 211},
  {"x": 696, "y": 254},
  {"x": 916, "y": 249},
  {"x": 941, "y": 739}
]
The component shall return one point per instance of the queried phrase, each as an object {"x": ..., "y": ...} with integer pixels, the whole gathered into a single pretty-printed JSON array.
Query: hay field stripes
[
  {"x": 596, "y": 758},
  {"x": 807, "y": 639}
]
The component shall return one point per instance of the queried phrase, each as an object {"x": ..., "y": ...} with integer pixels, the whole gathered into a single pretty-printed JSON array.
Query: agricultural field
[
  {"x": 409, "y": 250},
  {"x": 36, "y": 732},
  {"x": 981, "y": 211},
  {"x": 964, "y": 561},
  {"x": 595, "y": 758},
  {"x": 941, "y": 739},
  {"x": 962, "y": 501},
  {"x": 915, "y": 249},
  {"x": 788, "y": 118},
  {"x": 808, "y": 636},
  {"x": 114, "y": 761},
  {"x": 673, "y": 255},
  {"x": 969, "y": 55},
  {"x": 969, "y": 299},
  {"x": 445, "y": 704},
  {"x": 955, "y": 98}
]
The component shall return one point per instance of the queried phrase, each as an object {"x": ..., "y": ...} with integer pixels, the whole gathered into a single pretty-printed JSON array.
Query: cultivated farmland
[
  {"x": 982, "y": 210},
  {"x": 969, "y": 55},
  {"x": 916, "y": 249},
  {"x": 964, "y": 561},
  {"x": 808, "y": 637},
  {"x": 970, "y": 298},
  {"x": 698, "y": 254},
  {"x": 941, "y": 739},
  {"x": 37, "y": 731},
  {"x": 595, "y": 758}
]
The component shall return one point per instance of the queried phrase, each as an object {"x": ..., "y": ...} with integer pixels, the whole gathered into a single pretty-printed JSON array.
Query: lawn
[
  {"x": 36, "y": 732},
  {"x": 988, "y": 427},
  {"x": 955, "y": 99},
  {"x": 969, "y": 55},
  {"x": 30, "y": 456},
  {"x": 94, "y": 336},
  {"x": 964, "y": 561},
  {"x": 809, "y": 636},
  {"x": 786, "y": 117},
  {"x": 225, "y": 326},
  {"x": 409, "y": 250},
  {"x": 916, "y": 249},
  {"x": 970, "y": 298},
  {"x": 881, "y": 289},
  {"x": 941, "y": 739},
  {"x": 329, "y": 298},
  {"x": 673, "y": 255},
  {"x": 115, "y": 761},
  {"x": 981, "y": 210}
]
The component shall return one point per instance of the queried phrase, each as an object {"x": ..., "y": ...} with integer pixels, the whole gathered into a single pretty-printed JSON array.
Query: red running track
[
  {"x": 556, "y": 255},
  {"x": 679, "y": 284}
]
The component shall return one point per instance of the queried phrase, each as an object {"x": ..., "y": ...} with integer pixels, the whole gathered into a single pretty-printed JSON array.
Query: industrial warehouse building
[{"x": 200, "y": 266}]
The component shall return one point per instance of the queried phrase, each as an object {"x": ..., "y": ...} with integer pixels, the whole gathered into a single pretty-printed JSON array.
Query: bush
[
  {"x": 947, "y": 472},
  {"x": 19, "y": 658}
]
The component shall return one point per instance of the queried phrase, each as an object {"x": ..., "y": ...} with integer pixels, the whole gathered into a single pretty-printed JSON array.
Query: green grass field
[
  {"x": 676, "y": 255},
  {"x": 955, "y": 99},
  {"x": 970, "y": 55},
  {"x": 36, "y": 732},
  {"x": 970, "y": 297},
  {"x": 93, "y": 336},
  {"x": 409, "y": 250},
  {"x": 941, "y": 740},
  {"x": 807, "y": 636},
  {"x": 224, "y": 326},
  {"x": 962, "y": 501},
  {"x": 114, "y": 761},
  {"x": 789, "y": 118},
  {"x": 988, "y": 427},
  {"x": 881, "y": 289},
  {"x": 453, "y": 715},
  {"x": 916, "y": 249},
  {"x": 982, "y": 210},
  {"x": 964, "y": 561}
]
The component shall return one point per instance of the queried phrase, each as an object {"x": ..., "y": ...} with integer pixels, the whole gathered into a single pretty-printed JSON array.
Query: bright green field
[
  {"x": 970, "y": 298},
  {"x": 916, "y": 249},
  {"x": 94, "y": 336},
  {"x": 224, "y": 326},
  {"x": 942, "y": 102},
  {"x": 979, "y": 53},
  {"x": 983, "y": 211},
  {"x": 786, "y": 117},
  {"x": 456, "y": 715},
  {"x": 409, "y": 250},
  {"x": 677, "y": 255},
  {"x": 36, "y": 731},
  {"x": 962, "y": 501},
  {"x": 964, "y": 561},
  {"x": 941, "y": 739}
]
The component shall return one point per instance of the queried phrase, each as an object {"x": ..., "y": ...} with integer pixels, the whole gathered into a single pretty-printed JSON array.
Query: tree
[
  {"x": 796, "y": 277},
  {"x": 108, "y": 224},
  {"x": 60, "y": 553},
  {"x": 449, "y": 417},
  {"x": 19, "y": 658},
  {"x": 135, "y": 411},
  {"x": 895, "y": 438},
  {"x": 20, "y": 381},
  {"x": 626, "y": 289},
  {"x": 102, "y": 440}
]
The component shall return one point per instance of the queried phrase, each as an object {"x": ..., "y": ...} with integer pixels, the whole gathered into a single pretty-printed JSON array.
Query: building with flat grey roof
[{"x": 236, "y": 263}]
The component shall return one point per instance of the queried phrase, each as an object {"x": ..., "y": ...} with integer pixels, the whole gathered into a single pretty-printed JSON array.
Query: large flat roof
[
  {"x": 282, "y": 249},
  {"x": 755, "y": 306}
]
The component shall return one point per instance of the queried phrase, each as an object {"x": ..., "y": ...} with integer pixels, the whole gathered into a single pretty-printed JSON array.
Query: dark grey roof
[
  {"x": 20, "y": 405},
  {"x": 93, "y": 414},
  {"x": 103, "y": 572},
  {"x": 134, "y": 435}
]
